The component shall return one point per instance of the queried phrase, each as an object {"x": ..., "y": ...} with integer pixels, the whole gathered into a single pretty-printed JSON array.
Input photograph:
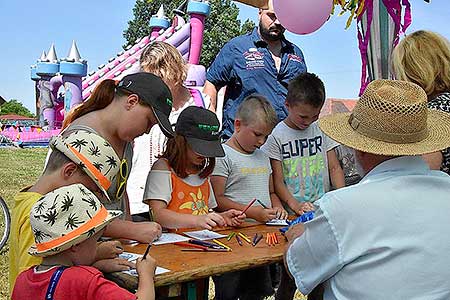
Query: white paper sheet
[{"x": 204, "y": 235}]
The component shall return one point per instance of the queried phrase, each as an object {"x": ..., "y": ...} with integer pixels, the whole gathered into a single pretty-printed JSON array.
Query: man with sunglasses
[{"x": 261, "y": 62}]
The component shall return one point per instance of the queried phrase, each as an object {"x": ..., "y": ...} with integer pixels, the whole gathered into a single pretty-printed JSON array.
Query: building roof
[
  {"x": 16, "y": 117},
  {"x": 335, "y": 105}
]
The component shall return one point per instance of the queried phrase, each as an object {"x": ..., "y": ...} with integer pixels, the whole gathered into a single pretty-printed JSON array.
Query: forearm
[
  {"x": 211, "y": 91},
  {"x": 284, "y": 195},
  {"x": 275, "y": 200},
  {"x": 225, "y": 203},
  {"x": 173, "y": 220},
  {"x": 146, "y": 288},
  {"x": 337, "y": 177},
  {"x": 121, "y": 229}
]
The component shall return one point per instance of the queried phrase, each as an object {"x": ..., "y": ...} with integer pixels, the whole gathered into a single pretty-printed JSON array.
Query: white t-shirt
[
  {"x": 247, "y": 175},
  {"x": 303, "y": 155}
]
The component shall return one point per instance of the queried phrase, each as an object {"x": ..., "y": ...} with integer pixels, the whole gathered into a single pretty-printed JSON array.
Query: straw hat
[
  {"x": 391, "y": 118},
  {"x": 93, "y": 153},
  {"x": 66, "y": 217}
]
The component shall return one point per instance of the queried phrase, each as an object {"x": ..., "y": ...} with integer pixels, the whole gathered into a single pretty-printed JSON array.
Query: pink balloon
[{"x": 302, "y": 16}]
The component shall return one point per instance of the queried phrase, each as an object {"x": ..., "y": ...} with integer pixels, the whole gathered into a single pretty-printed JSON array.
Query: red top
[{"x": 79, "y": 282}]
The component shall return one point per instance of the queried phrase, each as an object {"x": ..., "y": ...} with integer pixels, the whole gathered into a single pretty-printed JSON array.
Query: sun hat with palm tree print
[
  {"x": 66, "y": 217},
  {"x": 92, "y": 153}
]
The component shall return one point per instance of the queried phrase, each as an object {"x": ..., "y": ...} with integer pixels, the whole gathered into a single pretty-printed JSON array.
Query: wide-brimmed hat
[
  {"x": 152, "y": 90},
  {"x": 92, "y": 153},
  {"x": 200, "y": 127},
  {"x": 65, "y": 217},
  {"x": 391, "y": 118}
]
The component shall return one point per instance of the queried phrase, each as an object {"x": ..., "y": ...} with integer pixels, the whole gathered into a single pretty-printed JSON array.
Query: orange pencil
[{"x": 248, "y": 206}]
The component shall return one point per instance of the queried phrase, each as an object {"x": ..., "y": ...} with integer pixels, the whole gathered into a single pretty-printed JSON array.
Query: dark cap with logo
[
  {"x": 154, "y": 92},
  {"x": 201, "y": 128}
]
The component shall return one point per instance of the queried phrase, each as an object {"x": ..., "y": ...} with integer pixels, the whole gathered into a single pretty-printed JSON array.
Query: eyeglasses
[{"x": 122, "y": 179}]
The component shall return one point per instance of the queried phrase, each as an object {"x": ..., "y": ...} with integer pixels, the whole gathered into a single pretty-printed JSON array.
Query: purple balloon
[{"x": 302, "y": 16}]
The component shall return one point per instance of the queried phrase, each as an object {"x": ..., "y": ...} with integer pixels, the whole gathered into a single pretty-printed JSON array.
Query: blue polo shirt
[{"x": 245, "y": 66}]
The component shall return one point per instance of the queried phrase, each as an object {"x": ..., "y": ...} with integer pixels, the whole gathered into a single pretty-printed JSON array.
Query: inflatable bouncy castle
[{"x": 63, "y": 84}]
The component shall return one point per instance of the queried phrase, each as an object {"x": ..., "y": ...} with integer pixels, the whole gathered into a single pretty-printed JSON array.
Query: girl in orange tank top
[{"x": 178, "y": 189}]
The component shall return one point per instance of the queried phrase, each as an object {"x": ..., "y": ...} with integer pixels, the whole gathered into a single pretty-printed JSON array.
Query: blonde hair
[
  {"x": 256, "y": 108},
  {"x": 165, "y": 61},
  {"x": 423, "y": 57}
]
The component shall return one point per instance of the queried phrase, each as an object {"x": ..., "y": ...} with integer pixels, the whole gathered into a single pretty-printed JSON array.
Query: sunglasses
[{"x": 122, "y": 179}]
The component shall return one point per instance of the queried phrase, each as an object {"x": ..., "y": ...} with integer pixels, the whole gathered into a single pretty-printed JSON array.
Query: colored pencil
[
  {"x": 204, "y": 243},
  {"x": 244, "y": 237},
  {"x": 204, "y": 250},
  {"x": 262, "y": 204},
  {"x": 248, "y": 206},
  {"x": 189, "y": 245},
  {"x": 222, "y": 244},
  {"x": 238, "y": 240},
  {"x": 231, "y": 235},
  {"x": 146, "y": 251},
  {"x": 254, "y": 238},
  {"x": 257, "y": 240}
]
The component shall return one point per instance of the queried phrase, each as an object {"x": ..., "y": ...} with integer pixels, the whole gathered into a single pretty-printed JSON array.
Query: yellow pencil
[
  {"x": 244, "y": 237},
  {"x": 222, "y": 244}
]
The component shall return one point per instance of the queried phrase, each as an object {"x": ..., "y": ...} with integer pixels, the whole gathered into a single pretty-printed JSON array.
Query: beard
[{"x": 273, "y": 33}]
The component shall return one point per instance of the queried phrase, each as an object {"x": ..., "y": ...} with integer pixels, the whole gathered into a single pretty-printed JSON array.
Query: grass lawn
[{"x": 18, "y": 169}]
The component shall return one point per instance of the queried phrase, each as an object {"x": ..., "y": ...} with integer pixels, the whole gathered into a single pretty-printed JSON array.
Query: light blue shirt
[{"x": 387, "y": 237}]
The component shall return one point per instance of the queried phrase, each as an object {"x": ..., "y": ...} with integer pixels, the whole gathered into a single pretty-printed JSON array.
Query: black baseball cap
[
  {"x": 152, "y": 90},
  {"x": 200, "y": 127}
]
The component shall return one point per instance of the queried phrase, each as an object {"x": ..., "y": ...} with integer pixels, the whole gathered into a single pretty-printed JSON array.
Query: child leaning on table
[
  {"x": 243, "y": 174},
  {"x": 67, "y": 224},
  {"x": 178, "y": 189},
  {"x": 303, "y": 158}
]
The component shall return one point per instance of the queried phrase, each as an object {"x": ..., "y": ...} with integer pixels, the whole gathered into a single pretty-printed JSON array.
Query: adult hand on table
[
  {"x": 146, "y": 232},
  {"x": 294, "y": 232}
]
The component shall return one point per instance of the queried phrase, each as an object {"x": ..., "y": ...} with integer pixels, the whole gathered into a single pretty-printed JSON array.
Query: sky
[{"x": 29, "y": 27}]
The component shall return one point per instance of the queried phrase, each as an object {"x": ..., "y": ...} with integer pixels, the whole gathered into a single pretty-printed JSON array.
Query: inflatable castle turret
[
  {"x": 159, "y": 22},
  {"x": 50, "y": 74}
]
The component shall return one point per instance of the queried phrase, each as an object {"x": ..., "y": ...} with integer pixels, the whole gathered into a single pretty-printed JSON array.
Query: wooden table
[{"x": 192, "y": 266}]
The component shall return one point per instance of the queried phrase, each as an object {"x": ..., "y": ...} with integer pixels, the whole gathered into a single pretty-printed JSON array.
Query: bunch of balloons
[{"x": 302, "y": 16}]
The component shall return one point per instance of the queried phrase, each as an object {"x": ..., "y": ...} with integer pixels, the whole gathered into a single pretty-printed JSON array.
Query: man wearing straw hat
[{"x": 386, "y": 237}]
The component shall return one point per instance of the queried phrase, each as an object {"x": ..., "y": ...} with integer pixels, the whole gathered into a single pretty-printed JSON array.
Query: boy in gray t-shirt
[
  {"x": 242, "y": 175},
  {"x": 302, "y": 156}
]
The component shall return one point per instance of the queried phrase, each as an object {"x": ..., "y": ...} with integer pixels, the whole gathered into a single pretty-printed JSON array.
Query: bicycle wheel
[{"x": 5, "y": 222}]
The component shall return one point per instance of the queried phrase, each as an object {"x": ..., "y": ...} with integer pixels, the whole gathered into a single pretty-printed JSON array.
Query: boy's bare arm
[
  {"x": 146, "y": 286},
  {"x": 335, "y": 170},
  {"x": 276, "y": 203},
  {"x": 224, "y": 203},
  {"x": 280, "y": 187}
]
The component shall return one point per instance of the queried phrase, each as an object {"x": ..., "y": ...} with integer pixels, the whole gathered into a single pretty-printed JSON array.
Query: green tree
[
  {"x": 221, "y": 25},
  {"x": 15, "y": 107}
]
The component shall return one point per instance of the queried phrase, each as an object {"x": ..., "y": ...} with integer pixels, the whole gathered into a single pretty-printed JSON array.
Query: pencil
[
  {"x": 248, "y": 206},
  {"x": 221, "y": 244},
  {"x": 238, "y": 240},
  {"x": 230, "y": 236},
  {"x": 262, "y": 204},
  {"x": 189, "y": 245},
  {"x": 146, "y": 251},
  {"x": 244, "y": 237},
  {"x": 257, "y": 240},
  {"x": 205, "y": 250},
  {"x": 151, "y": 216}
]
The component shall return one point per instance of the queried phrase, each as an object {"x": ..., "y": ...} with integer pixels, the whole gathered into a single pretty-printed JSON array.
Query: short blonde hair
[
  {"x": 256, "y": 108},
  {"x": 165, "y": 61},
  {"x": 423, "y": 57}
]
